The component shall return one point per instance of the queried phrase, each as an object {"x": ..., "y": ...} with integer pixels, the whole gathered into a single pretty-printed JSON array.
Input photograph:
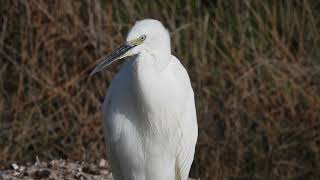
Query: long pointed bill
[{"x": 119, "y": 53}]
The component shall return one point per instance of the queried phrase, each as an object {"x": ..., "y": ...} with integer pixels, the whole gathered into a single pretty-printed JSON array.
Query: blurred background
[{"x": 254, "y": 66}]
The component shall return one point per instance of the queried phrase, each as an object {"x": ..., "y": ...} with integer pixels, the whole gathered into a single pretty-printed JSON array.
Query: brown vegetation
[{"x": 254, "y": 66}]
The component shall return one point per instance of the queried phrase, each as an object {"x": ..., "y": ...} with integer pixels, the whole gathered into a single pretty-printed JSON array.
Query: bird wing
[
  {"x": 188, "y": 127},
  {"x": 108, "y": 115},
  {"x": 189, "y": 136}
]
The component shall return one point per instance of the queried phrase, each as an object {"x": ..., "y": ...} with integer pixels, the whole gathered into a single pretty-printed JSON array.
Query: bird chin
[{"x": 135, "y": 51}]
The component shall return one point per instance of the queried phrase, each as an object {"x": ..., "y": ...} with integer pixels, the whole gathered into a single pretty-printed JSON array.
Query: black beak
[{"x": 115, "y": 55}]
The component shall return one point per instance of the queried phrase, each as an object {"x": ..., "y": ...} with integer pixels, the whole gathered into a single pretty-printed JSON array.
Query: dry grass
[{"x": 254, "y": 66}]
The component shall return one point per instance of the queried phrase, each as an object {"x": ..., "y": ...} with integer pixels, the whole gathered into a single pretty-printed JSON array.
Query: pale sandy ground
[{"x": 58, "y": 169}]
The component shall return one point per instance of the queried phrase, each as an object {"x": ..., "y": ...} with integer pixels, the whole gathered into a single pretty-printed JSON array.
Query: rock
[
  {"x": 14, "y": 166},
  {"x": 103, "y": 163}
]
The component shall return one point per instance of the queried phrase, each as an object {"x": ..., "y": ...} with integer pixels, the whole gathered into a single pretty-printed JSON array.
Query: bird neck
[
  {"x": 150, "y": 68},
  {"x": 158, "y": 60}
]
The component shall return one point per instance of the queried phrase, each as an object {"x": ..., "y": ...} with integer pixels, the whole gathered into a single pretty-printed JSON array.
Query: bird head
[{"x": 147, "y": 35}]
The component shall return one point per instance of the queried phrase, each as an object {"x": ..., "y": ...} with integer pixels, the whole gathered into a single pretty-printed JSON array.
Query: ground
[{"x": 57, "y": 169}]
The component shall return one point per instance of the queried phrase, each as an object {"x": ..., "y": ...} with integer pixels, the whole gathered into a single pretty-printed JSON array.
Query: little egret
[{"x": 149, "y": 115}]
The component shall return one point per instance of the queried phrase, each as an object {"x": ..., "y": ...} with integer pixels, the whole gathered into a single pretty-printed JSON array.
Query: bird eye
[{"x": 143, "y": 37}]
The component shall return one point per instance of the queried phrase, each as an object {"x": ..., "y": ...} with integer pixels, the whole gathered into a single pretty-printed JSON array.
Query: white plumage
[{"x": 149, "y": 114}]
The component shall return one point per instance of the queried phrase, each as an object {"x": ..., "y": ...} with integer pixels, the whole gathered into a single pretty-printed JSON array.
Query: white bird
[{"x": 149, "y": 115}]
